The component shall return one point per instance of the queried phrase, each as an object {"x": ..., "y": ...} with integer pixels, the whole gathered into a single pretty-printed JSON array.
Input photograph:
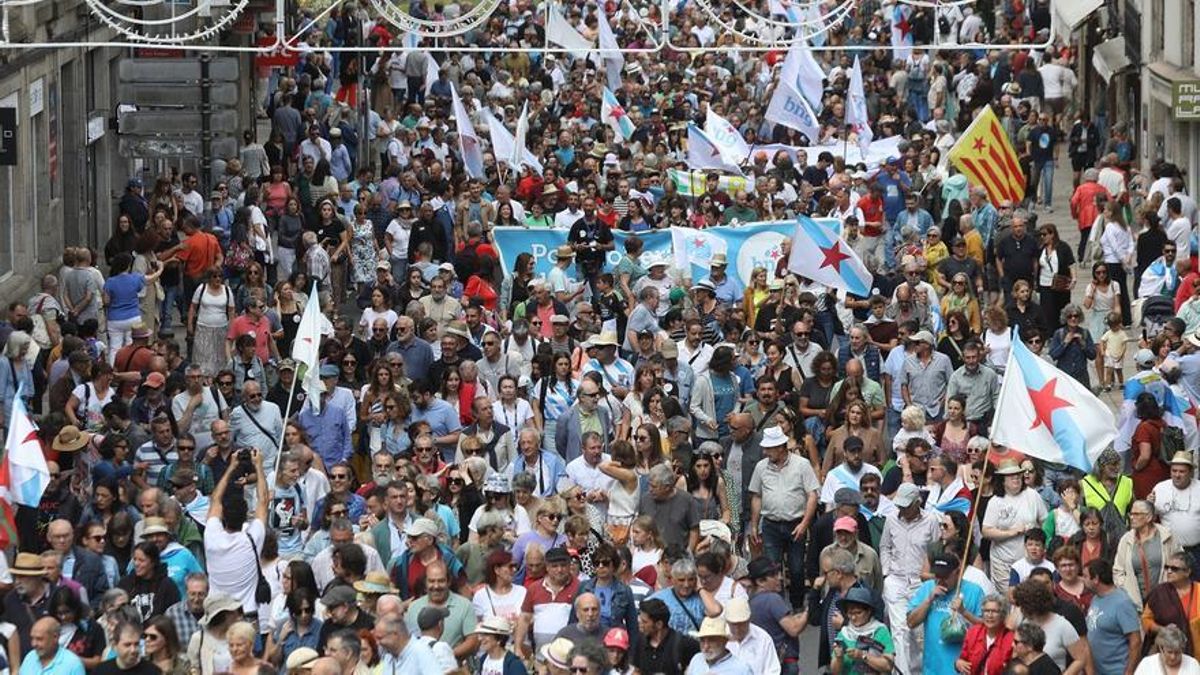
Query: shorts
[{"x": 1114, "y": 362}]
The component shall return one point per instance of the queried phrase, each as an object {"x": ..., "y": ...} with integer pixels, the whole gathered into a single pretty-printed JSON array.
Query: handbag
[
  {"x": 262, "y": 590},
  {"x": 1061, "y": 282}
]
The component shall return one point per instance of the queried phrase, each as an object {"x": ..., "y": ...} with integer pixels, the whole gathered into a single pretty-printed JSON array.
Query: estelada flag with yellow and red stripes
[{"x": 984, "y": 155}]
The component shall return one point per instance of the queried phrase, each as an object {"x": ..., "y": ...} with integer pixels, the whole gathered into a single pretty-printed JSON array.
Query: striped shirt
[
  {"x": 156, "y": 459},
  {"x": 558, "y": 399}
]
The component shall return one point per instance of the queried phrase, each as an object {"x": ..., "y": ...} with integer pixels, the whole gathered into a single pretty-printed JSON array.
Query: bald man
[
  {"x": 45, "y": 657},
  {"x": 78, "y": 564},
  {"x": 586, "y": 620},
  {"x": 742, "y": 453},
  {"x": 326, "y": 665}
]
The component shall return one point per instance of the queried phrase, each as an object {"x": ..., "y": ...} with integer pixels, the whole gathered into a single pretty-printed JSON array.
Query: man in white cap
[
  {"x": 1177, "y": 502},
  {"x": 783, "y": 502},
  {"x": 926, "y": 376},
  {"x": 748, "y": 642},
  {"x": 714, "y": 656},
  {"x": 1147, "y": 379},
  {"x": 902, "y": 553}
]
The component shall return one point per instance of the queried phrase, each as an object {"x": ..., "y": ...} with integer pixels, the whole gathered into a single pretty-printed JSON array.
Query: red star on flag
[
  {"x": 904, "y": 26},
  {"x": 1045, "y": 402},
  {"x": 978, "y": 145},
  {"x": 698, "y": 242},
  {"x": 616, "y": 112},
  {"x": 834, "y": 255}
]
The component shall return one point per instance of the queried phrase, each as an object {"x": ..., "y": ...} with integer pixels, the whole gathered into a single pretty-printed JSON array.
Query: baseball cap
[
  {"x": 557, "y": 554},
  {"x": 907, "y": 495},
  {"x": 762, "y": 567},
  {"x": 847, "y": 497},
  {"x": 1144, "y": 357},
  {"x": 845, "y": 524},
  {"x": 421, "y": 526},
  {"x": 617, "y": 638},
  {"x": 154, "y": 381},
  {"x": 339, "y": 595},
  {"x": 286, "y": 364},
  {"x": 430, "y": 616},
  {"x": 944, "y": 565}
]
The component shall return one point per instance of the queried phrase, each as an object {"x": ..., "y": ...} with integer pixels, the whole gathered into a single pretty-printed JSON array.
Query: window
[
  {"x": 7, "y": 210},
  {"x": 1189, "y": 32},
  {"x": 1157, "y": 15}
]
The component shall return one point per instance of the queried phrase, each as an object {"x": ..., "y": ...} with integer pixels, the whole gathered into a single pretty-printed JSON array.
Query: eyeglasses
[
  {"x": 97, "y": 537},
  {"x": 603, "y": 563},
  {"x": 802, "y": 335},
  {"x": 423, "y": 448},
  {"x": 339, "y": 476},
  {"x": 349, "y": 362},
  {"x": 1175, "y": 568},
  {"x": 253, "y": 396},
  {"x": 642, "y": 437},
  {"x": 490, "y": 343},
  {"x": 339, "y": 512},
  {"x": 553, "y": 516},
  {"x": 187, "y": 447}
]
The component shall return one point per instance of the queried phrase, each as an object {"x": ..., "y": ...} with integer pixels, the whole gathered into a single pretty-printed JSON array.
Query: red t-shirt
[
  {"x": 199, "y": 253},
  {"x": 872, "y": 210},
  {"x": 244, "y": 325}
]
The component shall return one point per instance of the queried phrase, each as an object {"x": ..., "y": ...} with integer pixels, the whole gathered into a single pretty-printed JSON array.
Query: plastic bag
[{"x": 954, "y": 628}]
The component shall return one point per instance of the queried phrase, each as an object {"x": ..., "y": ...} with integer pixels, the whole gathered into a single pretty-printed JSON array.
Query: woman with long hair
[
  {"x": 393, "y": 431},
  {"x": 959, "y": 300},
  {"x": 625, "y": 492},
  {"x": 1149, "y": 469},
  {"x": 751, "y": 356},
  {"x": 77, "y": 633},
  {"x": 162, "y": 646},
  {"x": 645, "y": 543},
  {"x": 1056, "y": 273},
  {"x": 288, "y": 311},
  {"x": 290, "y": 224},
  {"x": 380, "y": 308},
  {"x": 149, "y": 582},
  {"x": 755, "y": 294},
  {"x": 364, "y": 248},
  {"x": 857, "y": 424},
  {"x": 552, "y": 396},
  {"x": 413, "y": 288},
  {"x": 462, "y": 488},
  {"x": 1119, "y": 252},
  {"x": 1091, "y": 540},
  {"x": 514, "y": 289},
  {"x": 210, "y": 312},
  {"x": 649, "y": 448},
  {"x": 146, "y": 262},
  {"x": 703, "y": 481},
  {"x": 86, "y": 405},
  {"x": 952, "y": 342},
  {"x": 333, "y": 232},
  {"x": 1174, "y": 602},
  {"x": 800, "y": 442},
  {"x": 815, "y": 394},
  {"x": 122, "y": 240},
  {"x": 301, "y": 628},
  {"x": 997, "y": 338},
  {"x": 954, "y": 431}
]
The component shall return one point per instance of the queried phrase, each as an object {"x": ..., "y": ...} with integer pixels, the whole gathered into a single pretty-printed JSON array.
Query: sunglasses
[
  {"x": 1175, "y": 568},
  {"x": 553, "y": 516}
]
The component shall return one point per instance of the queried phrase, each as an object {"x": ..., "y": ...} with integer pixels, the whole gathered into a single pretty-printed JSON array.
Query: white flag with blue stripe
[
  {"x": 28, "y": 474},
  {"x": 1045, "y": 413},
  {"x": 818, "y": 253}
]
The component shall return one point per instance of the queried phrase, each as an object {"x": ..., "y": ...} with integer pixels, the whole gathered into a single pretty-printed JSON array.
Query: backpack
[
  {"x": 1171, "y": 443},
  {"x": 238, "y": 258}
]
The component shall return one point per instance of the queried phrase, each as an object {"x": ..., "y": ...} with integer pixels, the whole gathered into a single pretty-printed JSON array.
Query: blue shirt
[
  {"x": 893, "y": 193},
  {"x": 122, "y": 293},
  {"x": 725, "y": 398},
  {"x": 686, "y": 613},
  {"x": 939, "y": 655},
  {"x": 1110, "y": 619},
  {"x": 550, "y": 469},
  {"x": 357, "y": 507},
  {"x": 328, "y": 432},
  {"x": 64, "y": 663},
  {"x": 418, "y": 357},
  {"x": 729, "y": 291},
  {"x": 295, "y": 640},
  {"x": 416, "y": 658},
  {"x": 442, "y": 417}
]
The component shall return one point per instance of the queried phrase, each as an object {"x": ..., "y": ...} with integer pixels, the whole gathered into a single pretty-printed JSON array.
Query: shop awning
[
  {"x": 1109, "y": 57},
  {"x": 1069, "y": 15}
]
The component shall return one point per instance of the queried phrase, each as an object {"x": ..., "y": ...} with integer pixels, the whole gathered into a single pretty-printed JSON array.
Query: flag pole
[
  {"x": 287, "y": 412},
  {"x": 971, "y": 517}
]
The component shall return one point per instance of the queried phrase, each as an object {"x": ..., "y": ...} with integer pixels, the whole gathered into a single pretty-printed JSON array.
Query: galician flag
[
  {"x": 468, "y": 140},
  {"x": 518, "y": 150},
  {"x": 818, "y": 253},
  {"x": 856, "y": 108},
  {"x": 24, "y": 474},
  {"x": 1045, "y": 413},
  {"x": 306, "y": 349},
  {"x": 704, "y": 153},
  {"x": 726, "y": 137},
  {"x": 612, "y": 114}
]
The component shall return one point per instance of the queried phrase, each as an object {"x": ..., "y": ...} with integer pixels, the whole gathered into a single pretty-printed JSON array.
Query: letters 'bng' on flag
[
  {"x": 703, "y": 153},
  {"x": 818, "y": 253},
  {"x": 984, "y": 155},
  {"x": 1045, "y": 413},
  {"x": 726, "y": 137}
]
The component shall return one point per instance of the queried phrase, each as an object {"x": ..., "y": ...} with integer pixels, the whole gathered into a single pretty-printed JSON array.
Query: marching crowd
[{"x": 612, "y": 467}]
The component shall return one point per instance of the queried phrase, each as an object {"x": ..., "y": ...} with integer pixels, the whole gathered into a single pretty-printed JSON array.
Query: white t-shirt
[
  {"x": 212, "y": 311},
  {"x": 513, "y": 419},
  {"x": 1180, "y": 232},
  {"x": 232, "y": 566},
  {"x": 399, "y": 235},
  {"x": 368, "y": 319},
  {"x": 487, "y": 602},
  {"x": 90, "y": 404},
  {"x": 492, "y": 666},
  {"x": 517, "y": 520}
]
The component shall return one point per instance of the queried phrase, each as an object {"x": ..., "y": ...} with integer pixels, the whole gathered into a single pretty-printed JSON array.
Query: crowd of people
[{"x": 612, "y": 467}]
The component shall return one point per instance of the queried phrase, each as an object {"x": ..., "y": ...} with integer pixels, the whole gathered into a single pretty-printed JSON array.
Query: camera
[{"x": 243, "y": 456}]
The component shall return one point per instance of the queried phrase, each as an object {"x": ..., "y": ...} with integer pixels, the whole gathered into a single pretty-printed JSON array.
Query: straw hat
[
  {"x": 713, "y": 626},
  {"x": 28, "y": 565},
  {"x": 375, "y": 583},
  {"x": 70, "y": 439}
]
